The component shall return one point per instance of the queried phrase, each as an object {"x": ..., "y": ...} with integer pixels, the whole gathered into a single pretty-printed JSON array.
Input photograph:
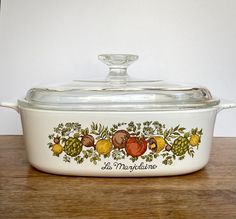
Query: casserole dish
[{"x": 118, "y": 127}]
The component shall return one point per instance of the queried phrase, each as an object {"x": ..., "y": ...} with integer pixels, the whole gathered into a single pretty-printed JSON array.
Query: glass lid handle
[{"x": 118, "y": 64}]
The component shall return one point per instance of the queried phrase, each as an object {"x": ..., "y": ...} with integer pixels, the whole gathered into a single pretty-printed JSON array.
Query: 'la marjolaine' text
[{"x": 130, "y": 168}]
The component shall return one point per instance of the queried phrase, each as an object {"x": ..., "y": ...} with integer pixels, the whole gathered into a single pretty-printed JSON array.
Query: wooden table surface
[{"x": 28, "y": 193}]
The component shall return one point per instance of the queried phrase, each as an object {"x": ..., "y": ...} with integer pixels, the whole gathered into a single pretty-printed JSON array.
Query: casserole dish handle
[
  {"x": 10, "y": 105},
  {"x": 226, "y": 104}
]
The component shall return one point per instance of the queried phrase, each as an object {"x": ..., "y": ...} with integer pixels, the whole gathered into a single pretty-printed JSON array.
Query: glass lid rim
[{"x": 119, "y": 107}]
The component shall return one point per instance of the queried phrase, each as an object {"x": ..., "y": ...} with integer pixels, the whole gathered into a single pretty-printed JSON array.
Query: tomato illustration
[{"x": 136, "y": 146}]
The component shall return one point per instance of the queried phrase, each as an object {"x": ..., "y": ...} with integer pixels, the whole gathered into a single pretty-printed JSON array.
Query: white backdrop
[{"x": 45, "y": 41}]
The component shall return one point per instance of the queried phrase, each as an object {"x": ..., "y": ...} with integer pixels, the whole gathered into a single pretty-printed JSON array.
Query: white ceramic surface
[{"x": 38, "y": 124}]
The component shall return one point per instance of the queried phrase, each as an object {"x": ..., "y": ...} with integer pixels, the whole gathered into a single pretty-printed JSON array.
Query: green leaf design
[
  {"x": 186, "y": 135},
  {"x": 147, "y": 130},
  {"x": 133, "y": 159},
  {"x": 191, "y": 152},
  {"x": 49, "y": 143},
  {"x": 181, "y": 130},
  {"x": 66, "y": 158},
  {"x": 79, "y": 159},
  {"x": 176, "y": 128}
]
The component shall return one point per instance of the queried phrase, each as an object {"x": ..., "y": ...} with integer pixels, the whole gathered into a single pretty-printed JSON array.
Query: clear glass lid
[{"x": 119, "y": 92}]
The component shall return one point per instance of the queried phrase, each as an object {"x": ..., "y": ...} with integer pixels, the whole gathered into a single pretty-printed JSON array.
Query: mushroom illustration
[
  {"x": 87, "y": 140},
  {"x": 120, "y": 138}
]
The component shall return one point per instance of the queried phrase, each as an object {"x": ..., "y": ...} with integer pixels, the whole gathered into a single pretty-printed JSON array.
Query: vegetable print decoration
[{"x": 145, "y": 141}]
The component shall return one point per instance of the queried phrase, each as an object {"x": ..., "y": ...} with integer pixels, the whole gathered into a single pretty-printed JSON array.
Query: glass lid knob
[{"x": 117, "y": 64}]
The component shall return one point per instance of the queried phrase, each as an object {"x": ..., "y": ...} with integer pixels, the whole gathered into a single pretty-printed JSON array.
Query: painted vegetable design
[
  {"x": 136, "y": 146},
  {"x": 147, "y": 141}
]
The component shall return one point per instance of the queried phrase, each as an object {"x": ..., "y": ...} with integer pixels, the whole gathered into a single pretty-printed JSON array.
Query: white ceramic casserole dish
[{"x": 118, "y": 127}]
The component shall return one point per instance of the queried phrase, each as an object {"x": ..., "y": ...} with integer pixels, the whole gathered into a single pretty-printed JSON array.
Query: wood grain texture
[{"x": 28, "y": 193}]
